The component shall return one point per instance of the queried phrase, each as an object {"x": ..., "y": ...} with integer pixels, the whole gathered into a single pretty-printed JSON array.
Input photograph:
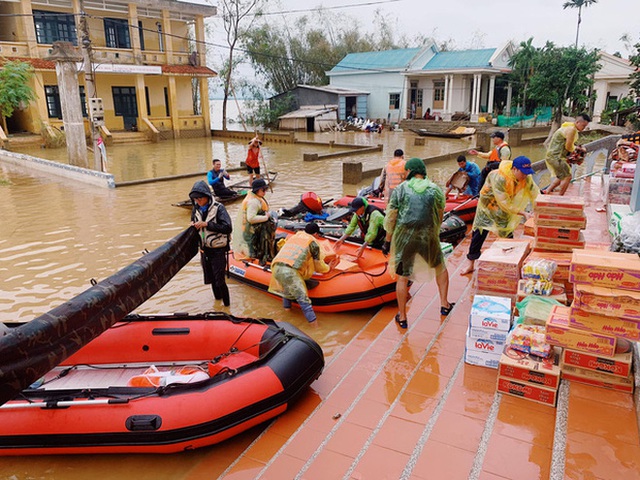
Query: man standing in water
[
  {"x": 563, "y": 143},
  {"x": 214, "y": 225},
  {"x": 412, "y": 223},
  {"x": 253, "y": 159}
]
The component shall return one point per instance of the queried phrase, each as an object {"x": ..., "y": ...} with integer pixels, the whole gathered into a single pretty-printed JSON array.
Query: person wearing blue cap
[{"x": 503, "y": 198}]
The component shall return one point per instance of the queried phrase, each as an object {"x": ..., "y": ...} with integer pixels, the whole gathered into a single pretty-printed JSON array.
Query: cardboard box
[
  {"x": 489, "y": 360},
  {"x": 558, "y": 293},
  {"x": 619, "y": 365},
  {"x": 483, "y": 345},
  {"x": 597, "y": 379},
  {"x": 496, "y": 283},
  {"x": 564, "y": 221},
  {"x": 524, "y": 367},
  {"x": 558, "y": 244},
  {"x": 504, "y": 257},
  {"x": 529, "y": 391},
  {"x": 560, "y": 333},
  {"x": 490, "y": 334},
  {"x": 491, "y": 313},
  {"x": 558, "y": 232},
  {"x": 530, "y": 227},
  {"x": 607, "y": 301},
  {"x": 605, "y": 269},
  {"x": 559, "y": 205},
  {"x": 594, "y": 322}
]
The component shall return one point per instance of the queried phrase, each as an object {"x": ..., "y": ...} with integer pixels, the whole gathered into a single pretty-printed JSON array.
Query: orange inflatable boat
[
  {"x": 162, "y": 384},
  {"x": 351, "y": 285}
]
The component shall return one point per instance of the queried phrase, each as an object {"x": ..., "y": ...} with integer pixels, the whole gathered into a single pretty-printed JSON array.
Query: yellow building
[{"x": 148, "y": 58}]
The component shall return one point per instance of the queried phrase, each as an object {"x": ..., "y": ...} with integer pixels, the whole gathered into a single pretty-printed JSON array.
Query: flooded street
[{"x": 57, "y": 235}]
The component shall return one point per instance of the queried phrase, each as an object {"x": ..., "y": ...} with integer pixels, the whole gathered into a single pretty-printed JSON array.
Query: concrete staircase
[
  {"x": 402, "y": 404},
  {"x": 18, "y": 140},
  {"x": 124, "y": 137}
]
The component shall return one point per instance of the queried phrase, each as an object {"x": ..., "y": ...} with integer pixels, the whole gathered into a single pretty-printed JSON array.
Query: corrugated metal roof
[
  {"x": 460, "y": 59},
  {"x": 385, "y": 60},
  {"x": 336, "y": 90},
  {"x": 308, "y": 112}
]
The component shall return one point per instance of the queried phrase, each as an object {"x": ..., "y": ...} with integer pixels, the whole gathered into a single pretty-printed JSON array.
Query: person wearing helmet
[
  {"x": 298, "y": 259},
  {"x": 214, "y": 226},
  {"x": 412, "y": 223},
  {"x": 257, "y": 226},
  {"x": 370, "y": 220}
]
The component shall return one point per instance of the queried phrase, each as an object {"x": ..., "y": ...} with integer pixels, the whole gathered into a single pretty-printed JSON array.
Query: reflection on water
[{"x": 57, "y": 235}]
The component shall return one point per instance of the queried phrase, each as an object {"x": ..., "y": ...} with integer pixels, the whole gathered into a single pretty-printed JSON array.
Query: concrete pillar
[
  {"x": 200, "y": 45},
  {"x": 40, "y": 101},
  {"x": 29, "y": 28},
  {"x": 474, "y": 94},
  {"x": 134, "y": 32},
  {"x": 478, "y": 103},
  {"x": 492, "y": 88},
  {"x": 141, "y": 99},
  {"x": 509, "y": 96},
  {"x": 404, "y": 100},
  {"x": 446, "y": 94},
  {"x": 66, "y": 57},
  {"x": 173, "y": 107},
  {"x": 601, "y": 88},
  {"x": 168, "y": 39},
  {"x": 204, "y": 105}
]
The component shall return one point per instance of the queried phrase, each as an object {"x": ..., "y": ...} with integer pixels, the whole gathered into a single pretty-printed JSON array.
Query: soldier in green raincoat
[{"x": 412, "y": 222}]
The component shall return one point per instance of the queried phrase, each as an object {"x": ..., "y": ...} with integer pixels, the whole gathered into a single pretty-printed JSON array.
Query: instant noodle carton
[
  {"x": 605, "y": 269},
  {"x": 559, "y": 205},
  {"x": 597, "y": 379},
  {"x": 496, "y": 284},
  {"x": 524, "y": 367},
  {"x": 564, "y": 221},
  {"x": 620, "y": 327},
  {"x": 529, "y": 391},
  {"x": 558, "y": 232},
  {"x": 530, "y": 227},
  {"x": 619, "y": 365},
  {"x": 558, "y": 244},
  {"x": 491, "y": 313},
  {"x": 612, "y": 302},
  {"x": 560, "y": 333},
  {"x": 504, "y": 258}
]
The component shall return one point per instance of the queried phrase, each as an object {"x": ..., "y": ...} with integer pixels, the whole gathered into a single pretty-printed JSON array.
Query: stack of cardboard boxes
[
  {"x": 498, "y": 268},
  {"x": 604, "y": 316},
  {"x": 489, "y": 324},
  {"x": 559, "y": 222}
]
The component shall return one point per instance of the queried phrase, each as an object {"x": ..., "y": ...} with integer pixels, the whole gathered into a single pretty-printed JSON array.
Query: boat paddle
[{"x": 266, "y": 166}]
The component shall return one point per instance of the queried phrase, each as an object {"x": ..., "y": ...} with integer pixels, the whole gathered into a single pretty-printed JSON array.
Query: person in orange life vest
[
  {"x": 393, "y": 174},
  {"x": 298, "y": 259},
  {"x": 310, "y": 202},
  {"x": 500, "y": 152},
  {"x": 214, "y": 225},
  {"x": 370, "y": 220},
  {"x": 257, "y": 226},
  {"x": 253, "y": 159}
]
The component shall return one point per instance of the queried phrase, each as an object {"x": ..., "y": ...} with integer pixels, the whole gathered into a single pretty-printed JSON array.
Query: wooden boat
[
  {"x": 162, "y": 384},
  {"x": 241, "y": 188},
  {"x": 351, "y": 285},
  {"x": 463, "y": 206},
  {"x": 459, "y": 132}
]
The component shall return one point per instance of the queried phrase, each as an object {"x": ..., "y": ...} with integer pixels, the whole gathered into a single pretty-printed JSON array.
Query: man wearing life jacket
[
  {"x": 214, "y": 225},
  {"x": 310, "y": 202},
  {"x": 500, "y": 152},
  {"x": 298, "y": 259},
  {"x": 393, "y": 174},
  {"x": 257, "y": 226},
  {"x": 216, "y": 178},
  {"x": 253, "y": 159},
  {"x": 370, "y": 220},
  {"x": 563, "y": 142}
]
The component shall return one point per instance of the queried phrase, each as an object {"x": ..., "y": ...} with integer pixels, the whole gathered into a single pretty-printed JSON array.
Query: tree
[
  {"x": 15, "y": 87},
  {"x": 578, "y": 4},
  {"x": 234, "y": 15},
  {"x": 635, "y": 76},
  {"x": 522, "y": 70},
  {"x": 561, "y": 77}
]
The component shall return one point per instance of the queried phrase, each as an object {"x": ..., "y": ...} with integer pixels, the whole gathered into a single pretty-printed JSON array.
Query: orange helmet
[{"x": 312, "y": 201}]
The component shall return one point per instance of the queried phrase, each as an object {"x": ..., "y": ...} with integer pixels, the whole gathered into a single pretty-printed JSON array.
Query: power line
[{"x": 325, "y": 8}]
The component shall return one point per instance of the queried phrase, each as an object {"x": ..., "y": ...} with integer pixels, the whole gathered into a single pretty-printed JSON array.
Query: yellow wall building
[{"x": 148, "y": 58}]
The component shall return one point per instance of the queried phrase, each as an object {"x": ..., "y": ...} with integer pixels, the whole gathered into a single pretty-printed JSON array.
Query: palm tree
[{"x": 578, "y": 4}]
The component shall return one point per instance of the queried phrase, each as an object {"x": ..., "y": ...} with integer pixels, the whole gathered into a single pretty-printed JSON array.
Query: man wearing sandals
[{"x": 412, "y": 222}]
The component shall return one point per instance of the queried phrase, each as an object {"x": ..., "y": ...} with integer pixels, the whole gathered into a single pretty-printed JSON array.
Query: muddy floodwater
[{"x": 56, "y": 235}]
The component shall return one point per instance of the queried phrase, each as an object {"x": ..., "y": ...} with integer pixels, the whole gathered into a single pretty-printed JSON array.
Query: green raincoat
[
  {"x": 414, "y": 214},
  {"x": 556, "y": 158}
]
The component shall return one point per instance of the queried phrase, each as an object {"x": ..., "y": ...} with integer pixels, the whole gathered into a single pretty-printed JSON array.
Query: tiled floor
[{"x": 401, "y": 404}]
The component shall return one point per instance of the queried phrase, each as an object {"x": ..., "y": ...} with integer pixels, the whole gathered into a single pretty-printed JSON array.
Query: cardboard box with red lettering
[
  {"x": 619, "y": 365},
  {"x": 524, "y": 367},
  {"x": 598, "y": 379},
  {"x": 503, "y": 258},
  {"x": 558, "y": 232},
  {"x": 559, "y": 205},
  {"x": 608, "y": 301},
  {"x": 563, "y": 221},
  {"x": 560, "y": 333},
  {"x": 594, "y": 322},
  {"x": 528, "y": 391},
  {"x": 558, "y": 244},
  {"x": 482, "y": 351},
  {"x": 605, "y": 269}
]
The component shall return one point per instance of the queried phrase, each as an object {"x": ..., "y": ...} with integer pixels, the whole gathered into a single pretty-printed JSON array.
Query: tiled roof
[
  {"x": 385, "y": 60},
  {"x": 460, "y": 59},
  {"x": 38, "y": 63}
]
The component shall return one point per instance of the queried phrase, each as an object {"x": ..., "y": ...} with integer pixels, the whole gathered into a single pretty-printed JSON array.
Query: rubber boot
[{"x": 308, "y": 312}]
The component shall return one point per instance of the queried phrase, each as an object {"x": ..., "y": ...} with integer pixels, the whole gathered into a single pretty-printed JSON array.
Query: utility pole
[{"x": 89, "y": 82}]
